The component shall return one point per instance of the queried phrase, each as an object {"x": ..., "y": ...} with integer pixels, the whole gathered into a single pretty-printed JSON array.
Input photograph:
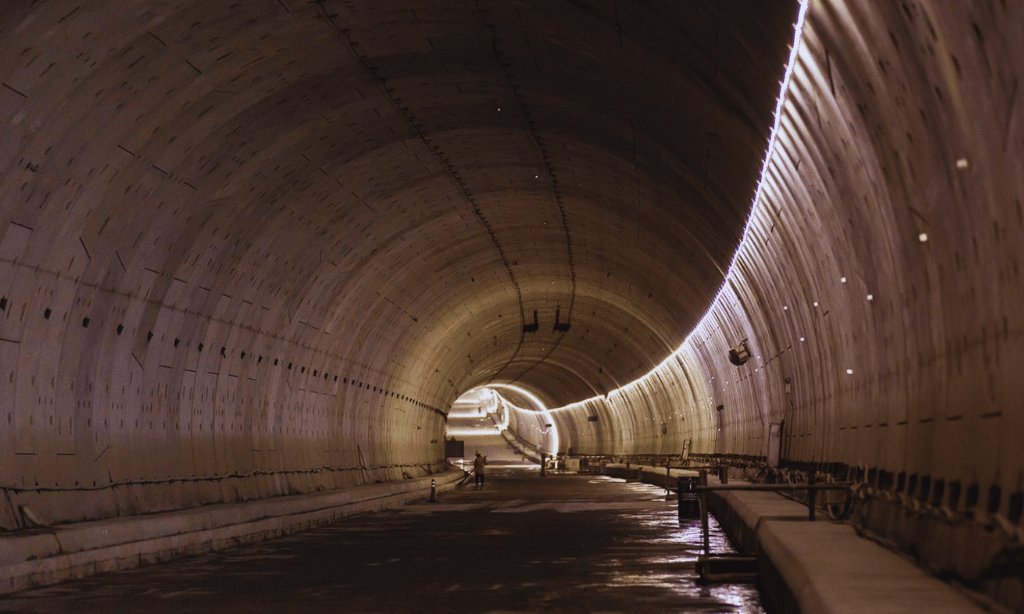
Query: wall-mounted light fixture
[{"x": 739, "y": 354}]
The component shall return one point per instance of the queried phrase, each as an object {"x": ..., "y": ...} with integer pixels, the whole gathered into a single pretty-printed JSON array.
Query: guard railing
[{"x": 692, "y": 489}]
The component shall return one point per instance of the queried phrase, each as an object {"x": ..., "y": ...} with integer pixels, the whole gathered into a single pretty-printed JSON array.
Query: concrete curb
[
  {"x": 73, "y": 551},
  {"x": 648, "y": 474},
  {"x": 819, "y": 567},
  {"x": 824, "y": 566}
]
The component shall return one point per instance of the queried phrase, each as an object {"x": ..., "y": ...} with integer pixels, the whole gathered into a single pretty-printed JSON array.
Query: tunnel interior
[
  {"x": 505, "y": 423},
  {"x": 261, "y": 249}
]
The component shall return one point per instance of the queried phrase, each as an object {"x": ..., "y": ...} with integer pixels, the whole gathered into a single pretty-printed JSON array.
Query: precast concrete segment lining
[
  {"x": 879, "y": 284},
  {"x": 899, "y": 314},
  {"x": 548, "y": 171},
  {"x": 237, "y": 263},
  {"x": 844, "y": 275},
  {"x": 658, "y": 414}
]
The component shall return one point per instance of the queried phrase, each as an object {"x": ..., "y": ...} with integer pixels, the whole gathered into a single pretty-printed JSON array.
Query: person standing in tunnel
[{"x": 478, "y": 468}]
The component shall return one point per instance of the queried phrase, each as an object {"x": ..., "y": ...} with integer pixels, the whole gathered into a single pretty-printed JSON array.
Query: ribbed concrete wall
[
  {"x": 257, "y": 249},
  {"x": 250, "y": 250},
  {"x": 658, "y": 414},
  {"x": 878, "y": 285},
  {"x": 902, "y": 353}
]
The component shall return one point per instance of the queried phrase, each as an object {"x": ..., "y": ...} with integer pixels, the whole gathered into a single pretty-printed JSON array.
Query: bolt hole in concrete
[{"x": 523, "y": 543}]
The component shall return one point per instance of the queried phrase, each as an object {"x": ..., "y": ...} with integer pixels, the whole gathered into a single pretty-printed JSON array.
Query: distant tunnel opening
[{"x": 505, "y": 423}]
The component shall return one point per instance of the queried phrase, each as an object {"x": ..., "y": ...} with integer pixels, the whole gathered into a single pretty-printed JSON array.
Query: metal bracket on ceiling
[
  {"x": 532, "y": 328},
  {"x": 560, "y": 327}
]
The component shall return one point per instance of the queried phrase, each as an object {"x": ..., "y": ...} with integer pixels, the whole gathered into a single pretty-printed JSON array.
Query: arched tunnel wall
[
  {"x": 527, "y": 430},
  {"x": 194, "y": 309},
  {"x": 899, "y": 353},
  {"x": 878, "y": 285},
  {"x": 257, "y": 249},
  {"x": 657, "y": 414}
]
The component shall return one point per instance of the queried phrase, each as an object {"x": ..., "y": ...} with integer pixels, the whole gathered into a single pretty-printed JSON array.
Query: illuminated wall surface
[{"x": 255, "y": 249}]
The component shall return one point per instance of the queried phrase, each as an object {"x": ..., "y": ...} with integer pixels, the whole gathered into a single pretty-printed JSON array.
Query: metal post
[
  {"x": 688, "y": 499},
  {"x": 543, "y": 465},
  {"x": 723, "y": 474},
  {"x": 433, "y": 490},
  {"x": 704, "y": 511},
  {"x": 810, "y": 495}
]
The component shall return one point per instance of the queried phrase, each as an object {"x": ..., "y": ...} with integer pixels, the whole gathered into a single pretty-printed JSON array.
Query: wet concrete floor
[{"x": 563, "y": 543}]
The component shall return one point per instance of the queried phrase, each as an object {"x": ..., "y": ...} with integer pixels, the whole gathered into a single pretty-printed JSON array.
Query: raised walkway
[
  {"x": 821, "y": 566},
  {"x": 53, "y": 554}
]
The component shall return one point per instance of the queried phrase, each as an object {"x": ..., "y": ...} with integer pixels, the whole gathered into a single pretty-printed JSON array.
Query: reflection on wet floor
[{"x": 564, "y": 543}]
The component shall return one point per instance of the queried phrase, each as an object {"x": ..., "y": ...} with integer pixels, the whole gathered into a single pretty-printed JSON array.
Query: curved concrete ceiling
[
  {"x": 277, "y": 238},
  {"x": 397, "y": 186}
]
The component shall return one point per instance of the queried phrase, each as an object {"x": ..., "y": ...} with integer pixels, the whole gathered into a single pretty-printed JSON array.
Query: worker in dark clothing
[{"x": 478, "y": 468}]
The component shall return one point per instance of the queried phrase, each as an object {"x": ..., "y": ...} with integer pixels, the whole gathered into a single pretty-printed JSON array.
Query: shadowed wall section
[{"x": 258, "y": 249}]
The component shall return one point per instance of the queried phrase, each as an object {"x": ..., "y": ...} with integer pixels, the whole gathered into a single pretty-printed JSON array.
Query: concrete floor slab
[{"x": 566, "y": 543}]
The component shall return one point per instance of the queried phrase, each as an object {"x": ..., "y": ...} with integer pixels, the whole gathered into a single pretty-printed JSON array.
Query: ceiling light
[{"x": 923, "y": 237}]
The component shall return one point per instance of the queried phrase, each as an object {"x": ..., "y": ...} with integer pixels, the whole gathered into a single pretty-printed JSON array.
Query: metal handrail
[
  {"x": 811, "y": 487},
  {"x": 772, "y": 487},
  {"x": 697, "y": 468}
]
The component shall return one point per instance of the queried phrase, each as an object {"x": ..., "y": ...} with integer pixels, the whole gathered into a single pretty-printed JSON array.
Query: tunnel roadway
[{"x": 565, "y": 543}]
